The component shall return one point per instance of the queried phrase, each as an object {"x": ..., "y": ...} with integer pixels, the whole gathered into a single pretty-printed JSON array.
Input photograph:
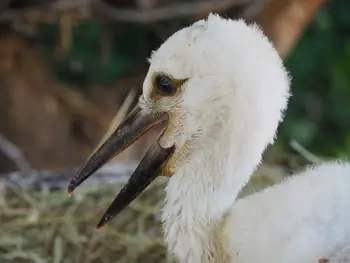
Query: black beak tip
[
  {"x": 77, "y": 179},
  {"x": 104, "y": 220},
  {"x": 71, "y": 187}
]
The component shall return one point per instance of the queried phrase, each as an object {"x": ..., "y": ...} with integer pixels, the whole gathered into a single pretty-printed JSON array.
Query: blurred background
[{"x": 71, "y": 69}]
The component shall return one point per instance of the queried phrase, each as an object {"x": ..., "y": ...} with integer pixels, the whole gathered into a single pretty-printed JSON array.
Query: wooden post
[{"x": 285, "y": 21}]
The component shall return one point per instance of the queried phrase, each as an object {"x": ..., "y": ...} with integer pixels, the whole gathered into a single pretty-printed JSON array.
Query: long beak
[{"x": 132, "y": 128}]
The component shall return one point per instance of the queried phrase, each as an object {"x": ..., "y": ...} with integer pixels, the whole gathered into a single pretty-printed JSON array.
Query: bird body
[
  {"x": 222, "y": 90},
  {"x": 303, "y": 219}
]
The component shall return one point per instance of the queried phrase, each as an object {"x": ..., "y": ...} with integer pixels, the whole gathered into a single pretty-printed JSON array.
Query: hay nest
[{"x": 45, "y": 226}]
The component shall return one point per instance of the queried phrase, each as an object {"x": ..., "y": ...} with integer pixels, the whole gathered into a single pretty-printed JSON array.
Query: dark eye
[{"x": 165, "y": 85}]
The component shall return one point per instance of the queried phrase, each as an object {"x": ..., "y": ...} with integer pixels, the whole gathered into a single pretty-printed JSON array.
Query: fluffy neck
[{"x": 199, "y": 195}]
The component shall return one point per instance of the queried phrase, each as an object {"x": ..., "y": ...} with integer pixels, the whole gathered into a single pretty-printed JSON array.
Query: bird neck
[{"x": 198, "y": 196}]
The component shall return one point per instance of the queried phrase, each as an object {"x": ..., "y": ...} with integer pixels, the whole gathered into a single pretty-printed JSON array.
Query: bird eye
[{"x": 165, "y": 85}]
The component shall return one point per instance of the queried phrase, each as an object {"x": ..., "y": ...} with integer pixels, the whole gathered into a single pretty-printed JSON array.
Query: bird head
[{"x": 216, "y": 81}]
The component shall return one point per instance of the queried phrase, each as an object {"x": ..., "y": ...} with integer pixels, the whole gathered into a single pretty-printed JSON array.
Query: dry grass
[{"x": 48, "y": 227}]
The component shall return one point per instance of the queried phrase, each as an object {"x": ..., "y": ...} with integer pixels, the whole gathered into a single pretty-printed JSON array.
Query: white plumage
[{"x": 228, "y": 113}]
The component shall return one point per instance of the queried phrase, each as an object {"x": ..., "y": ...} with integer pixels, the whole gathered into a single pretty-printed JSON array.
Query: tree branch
[
  {"x": 284, "y": 22},
  {"x": 143, "y": 15},
  {"x": 49, "y": 12},
  {"x": 14, "y": 154},
  {"x": 113, "y": 173},
  {"x": 168, "y": 12}
]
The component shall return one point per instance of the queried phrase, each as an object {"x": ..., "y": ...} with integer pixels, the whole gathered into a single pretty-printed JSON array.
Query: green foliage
[
  {"x": 89, "y": 61},
  {"x": 319, "y": 111}
]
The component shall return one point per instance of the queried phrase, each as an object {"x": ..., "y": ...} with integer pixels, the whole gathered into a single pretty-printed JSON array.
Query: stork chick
[{"x": 220, "y": 90}]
